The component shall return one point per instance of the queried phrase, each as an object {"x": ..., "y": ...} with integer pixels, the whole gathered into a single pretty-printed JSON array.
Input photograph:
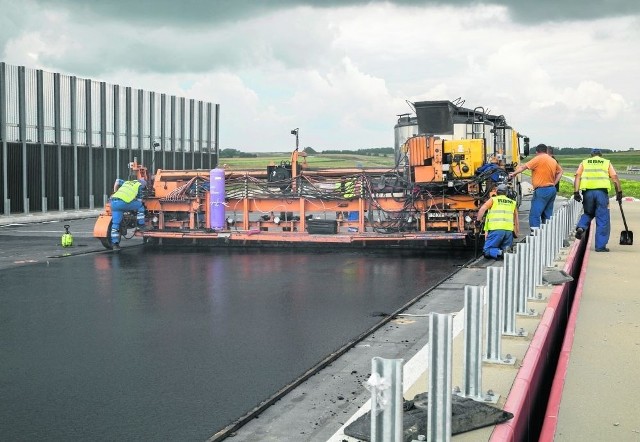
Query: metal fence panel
[
  {"x": 81, "y": 113},
  {"x": 49, "y": 117},
  {"x": 13, "y": 112},
  {"x": 31, "y": 105},
  {"x": 59, "y": 133},
  {"x": 96, "y": 120},
  {"x": 65, "y": 109}
]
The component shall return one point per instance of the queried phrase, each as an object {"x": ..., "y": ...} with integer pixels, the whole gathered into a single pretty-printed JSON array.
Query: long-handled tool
[{"x": 626, "y": 236}]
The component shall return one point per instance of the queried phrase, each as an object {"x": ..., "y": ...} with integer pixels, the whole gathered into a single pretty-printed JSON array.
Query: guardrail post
[
  {"x": 537, "y": 261},
  {"x": 522, "y": 250},
  {"x": 440, "y": 365},
  {"x": 525, "y": 283},
  {"x": 553, "y": 239},
  {"x": 472, "y": 367},
  {"x": 511, "y": 276},
  {"x": 556, "y": 242},
  {"x": 385, "y": 385},
  {"x": 495, "y": 309},
  {"x": 564, "y": 231},
  {"x": 545, "y": 246},
  {"x": 529, "y": 265},
  {"x": 494, "y": 291}
]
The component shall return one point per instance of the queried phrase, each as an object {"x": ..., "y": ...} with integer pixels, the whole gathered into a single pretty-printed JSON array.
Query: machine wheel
[
  {"x": 106, "y": 243},
  {"x": 102, "y": 231}
]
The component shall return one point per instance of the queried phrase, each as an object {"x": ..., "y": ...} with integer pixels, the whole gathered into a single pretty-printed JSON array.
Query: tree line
[
  {"x": 577, "y": 150},
  {"x": 235, "y": 153}
]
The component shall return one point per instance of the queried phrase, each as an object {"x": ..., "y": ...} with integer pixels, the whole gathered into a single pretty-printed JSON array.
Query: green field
[
  {"x": 629, "y": 188},
  {"x": 620, "y": 160}
]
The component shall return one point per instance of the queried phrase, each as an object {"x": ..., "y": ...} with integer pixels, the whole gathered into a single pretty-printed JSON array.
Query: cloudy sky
[{"x": 564, "y": 72}]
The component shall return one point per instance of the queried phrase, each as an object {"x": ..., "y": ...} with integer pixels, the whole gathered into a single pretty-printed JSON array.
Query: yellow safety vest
[
  {"x": 128, "y": 191},
  {"x": 595, "y": 174},
  {"x": 500, "y": 215}
]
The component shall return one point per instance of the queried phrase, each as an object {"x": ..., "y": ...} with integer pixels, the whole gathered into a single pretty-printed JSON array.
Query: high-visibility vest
[
  {"x": 595, "y": 174},
  {"x": 500, "y": 215},
  {"x": 128, "y": 191}
]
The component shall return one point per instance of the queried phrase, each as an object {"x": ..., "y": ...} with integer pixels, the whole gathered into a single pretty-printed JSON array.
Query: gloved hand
[
  {"x": 577, "y": 197},
  {"x": 619, "y": 196}
]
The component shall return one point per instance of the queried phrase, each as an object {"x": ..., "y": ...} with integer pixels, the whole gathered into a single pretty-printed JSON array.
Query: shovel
[{"x": 626, "y": 236}]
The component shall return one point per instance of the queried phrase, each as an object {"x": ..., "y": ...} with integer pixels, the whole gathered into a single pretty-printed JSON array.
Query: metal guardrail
[{"x": 507, "y": 291}]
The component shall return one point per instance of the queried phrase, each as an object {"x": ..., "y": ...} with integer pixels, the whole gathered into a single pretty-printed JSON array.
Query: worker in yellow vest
[
  {"x": 501, "y": 224},
  {"x": 127, "y": 196},
  {"x": 593, "y": 178}
]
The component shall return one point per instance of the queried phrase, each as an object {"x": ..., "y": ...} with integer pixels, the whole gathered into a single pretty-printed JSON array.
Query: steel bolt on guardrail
[
  {"x": 385, "y": 385},
  {"x": 508, "y": 289}
]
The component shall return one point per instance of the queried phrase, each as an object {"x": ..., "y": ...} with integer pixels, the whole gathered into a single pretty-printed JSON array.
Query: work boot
[
  {"x": 579, "y": 233},
  {"x": 603, "y": 249}
]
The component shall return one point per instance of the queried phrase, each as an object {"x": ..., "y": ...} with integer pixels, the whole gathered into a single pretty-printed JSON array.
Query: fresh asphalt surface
[{"x": 176, "y": 344}]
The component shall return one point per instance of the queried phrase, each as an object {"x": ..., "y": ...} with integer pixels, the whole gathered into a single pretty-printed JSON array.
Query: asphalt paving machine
[{"x": 448, "y": 158}]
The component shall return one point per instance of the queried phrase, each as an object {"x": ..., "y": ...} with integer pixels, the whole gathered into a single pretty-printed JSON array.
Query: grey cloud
[
  {"x": 212, "y": 12},
  {"x": 11, "y": 20},
  {"x": 142, "y": 56},
  {"x": 163, "y": 50}
]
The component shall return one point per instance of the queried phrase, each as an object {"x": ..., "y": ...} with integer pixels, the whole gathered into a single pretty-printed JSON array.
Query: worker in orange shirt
[{"x": 545, "y": 174}]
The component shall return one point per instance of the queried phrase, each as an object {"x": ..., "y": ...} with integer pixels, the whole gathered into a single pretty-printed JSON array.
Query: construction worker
[
  {"x": 127, "y": 196},
  {"x": 501, "y": 225},
  {"x": 545, "y": 174},
  {"x": 593, "y": 178}
]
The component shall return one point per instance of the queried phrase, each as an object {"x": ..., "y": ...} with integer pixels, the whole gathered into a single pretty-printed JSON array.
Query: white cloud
[{"x": 342, "y": 74}]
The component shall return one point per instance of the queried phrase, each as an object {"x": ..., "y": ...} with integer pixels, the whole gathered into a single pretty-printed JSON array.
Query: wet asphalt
[{"x": 175, "y": 344}]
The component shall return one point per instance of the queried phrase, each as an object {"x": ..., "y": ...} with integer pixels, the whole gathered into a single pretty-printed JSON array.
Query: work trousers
[
  {"x": 542, "y": 205},
  {"x": 118, "y": 207},
  {"x": 497, "y": 242},
  {"x": 595, "y": 204}
]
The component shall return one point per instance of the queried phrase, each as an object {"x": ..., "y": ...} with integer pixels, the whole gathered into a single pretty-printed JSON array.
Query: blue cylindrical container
[{"x": 216, "y": 199}]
